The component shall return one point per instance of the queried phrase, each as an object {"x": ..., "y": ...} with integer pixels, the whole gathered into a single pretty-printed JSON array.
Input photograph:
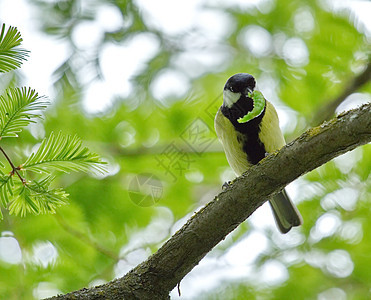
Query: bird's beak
[{"x": 248, "y": 91}]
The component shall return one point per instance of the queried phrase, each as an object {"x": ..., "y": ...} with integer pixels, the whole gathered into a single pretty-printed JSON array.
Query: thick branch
[{"x": 160, "y": 273}]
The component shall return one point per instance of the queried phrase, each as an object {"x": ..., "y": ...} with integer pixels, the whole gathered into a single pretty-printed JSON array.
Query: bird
[{"x": 247, "y": 125}]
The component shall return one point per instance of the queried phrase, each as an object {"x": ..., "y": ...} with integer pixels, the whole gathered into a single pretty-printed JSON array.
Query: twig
[{"x": 14, "y": 168}]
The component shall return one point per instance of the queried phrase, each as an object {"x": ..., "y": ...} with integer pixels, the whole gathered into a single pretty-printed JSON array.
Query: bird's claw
[{"x": 226, "y": 185}]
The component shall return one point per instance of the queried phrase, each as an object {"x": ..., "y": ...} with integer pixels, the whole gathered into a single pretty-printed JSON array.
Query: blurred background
[{"x": 140, "y": 82}]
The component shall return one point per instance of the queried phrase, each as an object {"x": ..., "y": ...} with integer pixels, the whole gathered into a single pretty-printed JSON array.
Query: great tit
[{"x": 247, "y": 125}]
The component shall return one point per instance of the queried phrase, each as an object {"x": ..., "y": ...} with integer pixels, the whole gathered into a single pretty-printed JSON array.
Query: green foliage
[
  {"x": 36, "y": 197},
  {"x": 18, "y": 108},
  {"x": 62, "y": 153},
  {"x": 11, "y": 56}
]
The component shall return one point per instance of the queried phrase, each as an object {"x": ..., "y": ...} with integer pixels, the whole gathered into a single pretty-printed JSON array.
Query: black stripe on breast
[{"x": 250, "y": 130}]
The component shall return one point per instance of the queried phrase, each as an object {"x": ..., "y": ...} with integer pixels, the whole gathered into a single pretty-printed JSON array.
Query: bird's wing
[{"x": 270, "y": 133}]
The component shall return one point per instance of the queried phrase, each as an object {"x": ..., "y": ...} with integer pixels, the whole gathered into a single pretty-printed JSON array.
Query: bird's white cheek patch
[{"x": 230, "y": 98}]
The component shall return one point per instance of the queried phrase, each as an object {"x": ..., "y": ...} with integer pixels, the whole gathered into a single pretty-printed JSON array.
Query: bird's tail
[{"x": 285, "y": 213}]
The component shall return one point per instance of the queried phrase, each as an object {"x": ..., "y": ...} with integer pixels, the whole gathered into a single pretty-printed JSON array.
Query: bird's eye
[{"x": 231, "y": 89}]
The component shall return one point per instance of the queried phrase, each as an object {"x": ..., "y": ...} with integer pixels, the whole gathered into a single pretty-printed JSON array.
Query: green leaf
[
  {"x": 259, "y": 104},
  {"x": 63, "y": 153},
  {"x": 6, "y": 185},
  {"x": 17, "y": 110},
  {"x": 11, "y": 57},
  {"x": 36, "y": 197}
]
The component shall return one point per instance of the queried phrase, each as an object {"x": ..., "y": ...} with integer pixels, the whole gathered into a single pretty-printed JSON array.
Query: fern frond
[
  {"x": 17, "y": 110},
  {"x": 63, "y": 153},
  {"x": 11, "y": 57},
  {"x": 36, "y": 197}
]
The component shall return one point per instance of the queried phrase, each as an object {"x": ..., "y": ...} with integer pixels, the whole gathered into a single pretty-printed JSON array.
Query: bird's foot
[{"x": 226, "y": 185}]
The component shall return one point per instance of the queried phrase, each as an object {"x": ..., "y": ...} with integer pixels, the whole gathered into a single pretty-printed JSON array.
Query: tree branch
[
  {"x": 328, "y": 110},
  {"x": 85, "y": 239},
  {"x": 160, "y": 273}
]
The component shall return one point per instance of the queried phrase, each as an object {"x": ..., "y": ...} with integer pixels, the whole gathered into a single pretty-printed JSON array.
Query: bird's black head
[
  {"x": 237, "y": 86},
  {"x": 240, "y": 83}
]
